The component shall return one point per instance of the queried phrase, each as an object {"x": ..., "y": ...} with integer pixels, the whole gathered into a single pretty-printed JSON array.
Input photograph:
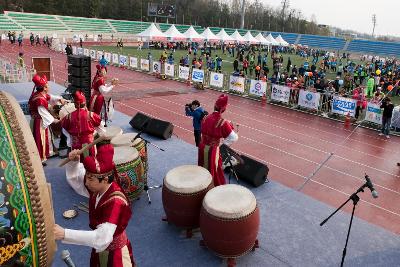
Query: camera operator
[{"x": 197, "y": 112}]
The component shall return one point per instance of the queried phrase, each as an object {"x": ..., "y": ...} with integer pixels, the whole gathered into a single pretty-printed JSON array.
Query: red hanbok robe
[
  {"x": 97, "y": 101},
  {"x": 213, "y": 128},
  {"x": 81, "y": 125},
  {"x": 113, "y": 207},
  {"x": 41, "y": 120}
]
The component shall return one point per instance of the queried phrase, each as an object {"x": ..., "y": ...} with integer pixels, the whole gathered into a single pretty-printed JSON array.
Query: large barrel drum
[
  {"x": 27, "y": 217},
  {"x": 229, "y": 220},
  {"x": 182, "y": 194}
]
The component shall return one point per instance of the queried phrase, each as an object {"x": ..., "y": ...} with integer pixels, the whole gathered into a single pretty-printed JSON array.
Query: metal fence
[{"x": 12, "y": 73}]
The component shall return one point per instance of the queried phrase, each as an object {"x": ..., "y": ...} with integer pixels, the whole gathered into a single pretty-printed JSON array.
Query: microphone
[
  {"x": 371, "y": 187},
  {"x": 65, "y": 256}
]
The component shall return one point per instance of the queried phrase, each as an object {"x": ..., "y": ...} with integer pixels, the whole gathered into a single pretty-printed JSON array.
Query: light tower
[
  {"x": 242, "y": 17},
  {"x": 373, "y": 24}
]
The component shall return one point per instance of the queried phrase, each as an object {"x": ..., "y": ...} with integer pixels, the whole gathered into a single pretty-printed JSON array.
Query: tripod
[
  {"x": 146, "y": 187},
  {"x": 232, "y": 172},
  {"x": 355, "y": 198}
]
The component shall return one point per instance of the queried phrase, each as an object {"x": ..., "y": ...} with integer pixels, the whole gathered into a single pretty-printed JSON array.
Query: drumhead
[
  {"x": 67, "y": 109},
  {"x": 188, "y": 179},
  {"x": 125, "y": 154},
  {"x": 113, "y": 131},
  {"x": 230, "y": 201},
  {"x": 123, "y": 139}
]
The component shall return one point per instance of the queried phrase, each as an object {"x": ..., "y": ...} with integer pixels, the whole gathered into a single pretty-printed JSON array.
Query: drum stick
[{"x": 84, "y": 149}]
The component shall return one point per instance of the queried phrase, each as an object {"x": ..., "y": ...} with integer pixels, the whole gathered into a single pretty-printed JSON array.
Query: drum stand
[
  {"x": 146, "y": 187},
  {"x": 355, "y": 198}
]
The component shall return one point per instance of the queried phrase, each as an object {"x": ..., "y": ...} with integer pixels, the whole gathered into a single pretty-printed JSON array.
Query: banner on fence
[
  {"x": 236, "y": 84},
  {"x": 144, "y": 64},
  {"x": 373, "y": 113},
  {"x": 169, "y": 70},
  {"x": 309, "y": 99},
  {"x": 107, "y": 56},
  {"x": 342, "y": 105},
  {"x": 183, "y": 73},
  {"x": 280, "y": 93},
  {"x": 257, "y": 88},
  {"x": 99, "y": 54},
  {"x": 156, "y": 68},
  {"x": 216, "y": 79},
  {"x": 79, "y": 51},
  {"x": 74, "y": 50},
  {"x": 115, "y": 59},
  {"x": 123, "y": 60},
  {"x": 133, "y": 62},
  {"x": 86, "y": 52},
  {"x": 197, "y": 75},
  {"x": 93, "y": 54},
  {"x": 59, "y": 47}
]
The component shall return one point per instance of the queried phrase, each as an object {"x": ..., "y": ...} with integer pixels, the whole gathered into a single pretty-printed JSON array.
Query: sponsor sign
[
  {"x": 74, "y": 50},
  {"x": 99, "y": 54},
  {"x": 156, "y": 68},
  {"x": 183, "y": 73},
  {"x": 280, "y": 93},
  {"x": 342, "y": 105},
  {"x": 216, "y": 79},
  {"x": 236, "y": 84},
  {"x": 373, "y": 113},
  {"x": 123, "y": 60},
  {"x": 309, "y": 99},
  {"x": 86, "y": 52},
  {"x": 257, "y": 87},
  {"x": 133, "y": 63},
  {"x": 93, "y": 54},
  {"x": 115, "y": 59},
  {"x": 144, "y": 64},
  {"x": 169, "y": 70},
  {"x": 79, "y": 51},
  {"x": 107, "y": 56},
  {"x": 197, "y": 75}
]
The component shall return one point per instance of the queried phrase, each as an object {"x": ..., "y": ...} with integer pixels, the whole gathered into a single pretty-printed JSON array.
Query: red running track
[{"x": 293, "y": 144}]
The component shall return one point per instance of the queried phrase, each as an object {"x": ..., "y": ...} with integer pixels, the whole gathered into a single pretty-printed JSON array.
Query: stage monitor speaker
[
  {"x": 159, "y": 128},
  {"x": 79, "y": 61},
  {"x": 139, "y": 121},
  {"x": 252, "y": 171}
]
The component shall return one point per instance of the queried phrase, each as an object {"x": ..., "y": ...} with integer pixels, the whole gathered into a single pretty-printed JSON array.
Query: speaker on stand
[{"x": 79, "y": 75}]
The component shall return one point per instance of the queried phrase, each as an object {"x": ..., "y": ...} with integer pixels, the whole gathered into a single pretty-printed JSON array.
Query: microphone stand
[
  {"x": 146, "y": 187},
  {"x": 232, "y": 171},
  {"x": 355, "y": 198}
]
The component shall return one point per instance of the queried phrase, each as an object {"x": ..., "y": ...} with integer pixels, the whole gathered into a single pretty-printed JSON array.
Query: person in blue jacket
[{"x": 197, "y": 112}]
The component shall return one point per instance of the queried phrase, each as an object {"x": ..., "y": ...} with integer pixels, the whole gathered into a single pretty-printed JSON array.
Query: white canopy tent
[
  {"x": 271, "y": 39},
  {"x": 192, "y": 35},
  {"x": 262, "y": 39},
  {"x": 280, "y": 40},
  {"x": 224, "y": 37},
  {"x": 208, "y": 35},
  {"x": 248, "y": 37},
  {"x": 174, "y": 34},
  {"x": 237, "y": 37},
  {"x": 152, "y": 33}
]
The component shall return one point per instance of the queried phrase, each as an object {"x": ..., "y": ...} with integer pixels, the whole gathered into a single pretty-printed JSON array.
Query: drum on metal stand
[
  {"x": 183, "y": 191},
  {"x": 229, "y": 221},
  {"x": 130, "y": 171}
]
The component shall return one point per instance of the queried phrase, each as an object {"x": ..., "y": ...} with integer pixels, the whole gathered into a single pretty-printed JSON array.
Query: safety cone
[
  {"x": 347, "y": 121},
  {"x": 263, "y": 100}
]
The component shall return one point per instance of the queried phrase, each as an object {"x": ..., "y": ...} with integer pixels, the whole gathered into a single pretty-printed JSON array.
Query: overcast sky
[{"x": 350, "y": 14}]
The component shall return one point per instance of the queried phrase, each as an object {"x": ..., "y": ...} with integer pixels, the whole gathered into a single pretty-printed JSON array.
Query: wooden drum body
[
  {"x": 183, "y": 192},
  {"x": 130, "y": 171},
  {"x": 229, "y": 220},
  {"x": 27, "y": 217}
]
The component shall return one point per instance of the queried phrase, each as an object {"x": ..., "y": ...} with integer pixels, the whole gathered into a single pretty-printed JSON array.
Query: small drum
[
  {"x": 123, "y": 139},
  {"x": 130, "y": 171},
  {"x": 66, "y": 109},
  {"x": 183, "y": 191},
  {"x": 113, "y": 130},
  {"x": 229, "y": 221}
]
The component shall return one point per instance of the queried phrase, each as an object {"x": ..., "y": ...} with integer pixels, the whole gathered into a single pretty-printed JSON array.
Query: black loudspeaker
[
  {"x": 252, "y": 171},
  {"x": 79, "y": 71},
  {"x": 79, "y": 60},
  {"x": 139, "y": 121},
  {"x": 159, "y": 128},
  {"x": 79, "y": 81}
]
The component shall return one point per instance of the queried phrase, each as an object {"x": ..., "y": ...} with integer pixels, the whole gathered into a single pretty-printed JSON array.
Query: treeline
[{"x": 217, "y": 13}]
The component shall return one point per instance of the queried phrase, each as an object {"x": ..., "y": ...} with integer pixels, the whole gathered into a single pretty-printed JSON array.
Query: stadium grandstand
[{"x": 30, "y": 22}]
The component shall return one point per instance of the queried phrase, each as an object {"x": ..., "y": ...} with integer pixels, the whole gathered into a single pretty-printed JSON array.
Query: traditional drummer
[
  {"x": 81, "y": 123},
  {"x": 109, "y": 213},
  {"x": 41, "y": 117},
  {"x": 100, "y": 88},
  {"x": 213, "y": 129}
]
